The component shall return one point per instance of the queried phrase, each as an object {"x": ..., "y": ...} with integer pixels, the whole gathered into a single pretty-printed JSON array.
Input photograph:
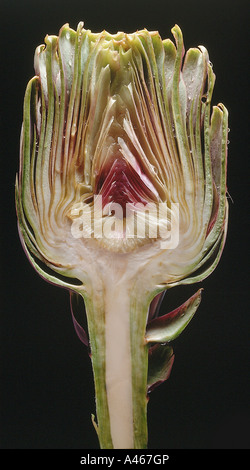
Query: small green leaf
[
  {"x": 167, "y": 327},
  {"x": 94, "y": 424}
]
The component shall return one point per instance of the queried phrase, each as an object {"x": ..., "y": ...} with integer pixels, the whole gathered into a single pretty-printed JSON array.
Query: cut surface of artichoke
[{"x": 121, "y": 194}]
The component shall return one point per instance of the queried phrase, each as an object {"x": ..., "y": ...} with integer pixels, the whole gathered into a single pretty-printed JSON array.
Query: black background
[{"x": 47, "y": 393}]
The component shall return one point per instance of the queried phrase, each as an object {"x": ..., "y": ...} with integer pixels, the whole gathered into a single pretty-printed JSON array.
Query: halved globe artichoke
[{"x": 121, "y": 194}]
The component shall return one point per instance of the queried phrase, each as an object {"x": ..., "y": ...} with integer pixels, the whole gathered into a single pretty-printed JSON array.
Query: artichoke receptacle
[{"x": 121, "y": 195}]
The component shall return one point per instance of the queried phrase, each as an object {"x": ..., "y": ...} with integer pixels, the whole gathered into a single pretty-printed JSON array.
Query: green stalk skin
[{"x": 96, "y": 328}]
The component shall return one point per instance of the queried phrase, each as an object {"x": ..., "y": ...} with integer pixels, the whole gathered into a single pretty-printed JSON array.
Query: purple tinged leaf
[
  {"x": 160, "y": 362},
  {"x": 155, "y": 306},
  {"x": 167, "y": 327},
  {"x": 75, "y": 307}
]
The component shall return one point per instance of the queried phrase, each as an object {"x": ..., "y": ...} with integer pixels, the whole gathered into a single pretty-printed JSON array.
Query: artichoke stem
[{"x": 119, "y": 356}]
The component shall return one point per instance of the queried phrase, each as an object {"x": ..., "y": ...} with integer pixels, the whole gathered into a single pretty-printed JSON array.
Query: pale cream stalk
[{"x": 118, "y": 365}]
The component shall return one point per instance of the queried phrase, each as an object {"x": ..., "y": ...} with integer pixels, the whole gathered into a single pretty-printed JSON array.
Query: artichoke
[{"x": 121, "y": 195}]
